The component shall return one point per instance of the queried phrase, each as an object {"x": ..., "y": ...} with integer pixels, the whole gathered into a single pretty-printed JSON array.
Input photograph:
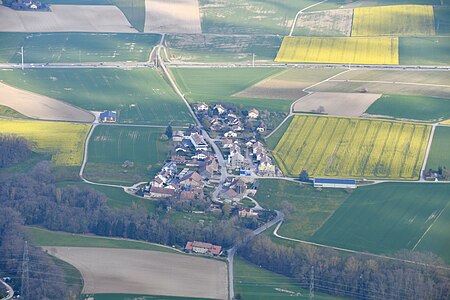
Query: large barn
[{"x": 334, "y": 183}]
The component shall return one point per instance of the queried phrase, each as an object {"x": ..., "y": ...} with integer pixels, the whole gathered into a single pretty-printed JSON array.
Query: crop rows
[
  {"x": 377, "y": 50},
  {"x": 393, "y": 20},
  {"x": 355, "y": 148},
  {"x": 64, "y": 140}
]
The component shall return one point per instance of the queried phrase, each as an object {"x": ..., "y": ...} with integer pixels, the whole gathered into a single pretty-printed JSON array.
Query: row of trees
[{"x": 355, "y": 276}]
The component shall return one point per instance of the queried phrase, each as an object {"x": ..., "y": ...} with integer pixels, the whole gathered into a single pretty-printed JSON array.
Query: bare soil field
[
  {"x": 146, "y": 272},
  {"x": 172, "y": 16},
  {"x": 287, "y": 85},
  {"x": 336, "y": 104},
  {"x": 40, "y": 107},
  {"x": 336, "y": 22},
  {"x": 428, "y": 77},
  {"x": 343, "y": 86},
  {"x": 70, "y": 18}
]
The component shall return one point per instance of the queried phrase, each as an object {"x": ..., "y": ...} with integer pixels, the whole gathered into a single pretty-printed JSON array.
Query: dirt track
[
  {"x": 40, "y": 107},
  {"x": 146, "y": 272},
  {"x": 79, "y": 18},
  {"x": 172, "y": 16},
  {"x": 337, "y": 104}
]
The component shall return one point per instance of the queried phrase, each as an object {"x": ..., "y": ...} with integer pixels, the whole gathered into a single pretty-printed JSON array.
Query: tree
[
  {"x": 169, "y": 132},
  {"x": 304, "y": 176}
]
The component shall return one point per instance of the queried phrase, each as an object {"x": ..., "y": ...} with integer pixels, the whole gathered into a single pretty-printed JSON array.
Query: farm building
[
  {"x": 203, "y": 248},
  {"x": 108, "y": 116},
  {"x": 198, "y": 142},
  {"x": 335, "y": 183}
]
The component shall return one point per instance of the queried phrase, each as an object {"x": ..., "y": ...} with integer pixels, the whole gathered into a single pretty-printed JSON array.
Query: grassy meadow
[
  {"x": 385, "y": 218},
  {"x": 140, "y": 96},
  {"x": 116, "y": 197},
  {"x": 6, "y": 111},
  {"x": 111, "y": 146},
  {"x": 43, "y": 237},
  {"x": 411, "y": 107},
  {"x": 222, "y": 48},
  {"x": 308, "y": 208},
  {"x": 65, "y": 141},
  {"x": 219, "y": 85},
  {"x": 424, "y": 50},
  {"x": 393, "y": 20},
  {"x": 76, "y": 47},
  {"x": 439, "y": 153},
  {"x": 354, "y": 148},
  {"x": 376, "y": 50}
]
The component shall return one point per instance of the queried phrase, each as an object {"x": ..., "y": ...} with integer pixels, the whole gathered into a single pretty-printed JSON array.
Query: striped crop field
[
  {"x": 64, "y": 140},
  {"x": 376, "y": 50},
  {"x": 393, "y": 20},
  {"x": 353, "y": 148}
]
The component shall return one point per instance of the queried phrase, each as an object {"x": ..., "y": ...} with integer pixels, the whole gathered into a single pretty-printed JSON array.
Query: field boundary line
[
  {"x": 427, "y": 152},
  {"x": 298, "y": 14},
  {"x": 429, "y": 227},
  {"x": 391, "y": 82},
  {"x": 275, "y": 233}
]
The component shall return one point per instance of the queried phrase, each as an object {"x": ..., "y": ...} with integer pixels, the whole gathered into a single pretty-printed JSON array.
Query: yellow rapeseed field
[
  {"x": 446, "y": 122},
  {"x": 393, "y": 20},
  {"x": 377, "y": 50},
  {"x": 64, "y": 140},
  {"x": 354, "y": 148}
]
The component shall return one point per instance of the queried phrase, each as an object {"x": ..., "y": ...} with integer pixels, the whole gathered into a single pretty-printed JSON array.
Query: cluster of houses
[
  {"x": 26, "y": 5},
  {"x": 243, "y": 152},
  {"x": 184, "y": 176}
]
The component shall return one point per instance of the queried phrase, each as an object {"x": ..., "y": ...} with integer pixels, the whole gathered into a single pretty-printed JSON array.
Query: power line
[{"x": 25, "y": 285}]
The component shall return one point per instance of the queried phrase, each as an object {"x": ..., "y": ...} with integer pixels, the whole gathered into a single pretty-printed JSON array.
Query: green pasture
[
  {"x": 220, "y": 84},
  {"x": 306, "y": 208},
  {"x": 273, "y": 140},
  {"x": 138, "y": 297},
  {"x": 440, "y": 149},
  {"x": 134, "y": 10},
  {"x": 116, "y": 197},
  {"x": 411, "y": 107},
  {"x": 222, "y": 48},
  {"x": 385, "y": 218},
  {"x": 6, "y": 111},
  {"x": 111, "y": 146},
  {"x": 442, "y": 18},
  {"x": 424, "y": 51},
  {"x": 76, "y": 47},
  {"x": 254, "y": 283},
  {"x": 140, "y": 96},
  {"x": 42, "y": 237}
]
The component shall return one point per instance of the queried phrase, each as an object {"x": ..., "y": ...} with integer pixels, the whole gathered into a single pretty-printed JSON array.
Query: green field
[
  {"x": 442, "y": 18},
  {"x": 219, "y": 85},
  {"x": 254, "y": 283},
  {"x": 140, "y": 96},
  {"x": 387, "y": 217},
  {"x": 42, "y": 237},
  {"x": 424, "y": 51},
  {"x": 412, "y": 107},
  {"x": 116, "y": 197},
  {"x": 6, "y": 111},
  {"x": 308, "y": 208},
  {"x": 76, "y": 47},
  {"x": 217, "y": 48},
  {"x": 138, "y": 297},
  {"x": 439, "y": 152},
  {"x": 111, "y": 146},
  {"x": 134, "y": 10},
  {"x": 274, "y": 139}
]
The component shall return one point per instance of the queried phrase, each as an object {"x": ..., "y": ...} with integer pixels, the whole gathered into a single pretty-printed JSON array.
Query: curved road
[{"x": 10, "y": 290}]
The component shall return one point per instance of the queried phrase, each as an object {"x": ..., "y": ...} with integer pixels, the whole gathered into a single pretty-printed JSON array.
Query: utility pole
[
  {"x": 21, "y": 53},
  {"x": 311, "y": 284},
  {"x": 25, "y": 286}
]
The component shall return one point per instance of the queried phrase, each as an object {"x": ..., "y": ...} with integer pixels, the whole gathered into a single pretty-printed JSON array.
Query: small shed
[{"x": 334, "y": 183}]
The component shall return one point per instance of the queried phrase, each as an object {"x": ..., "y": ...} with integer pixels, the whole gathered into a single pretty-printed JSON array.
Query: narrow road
[
  {"x": 427, "y": 153},
  {"x": 9, "y": 289}
]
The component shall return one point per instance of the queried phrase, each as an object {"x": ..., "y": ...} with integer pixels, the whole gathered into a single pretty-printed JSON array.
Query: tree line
[
  {"x": 13, "y": 150},
  {"x": 355, "y": 276}
]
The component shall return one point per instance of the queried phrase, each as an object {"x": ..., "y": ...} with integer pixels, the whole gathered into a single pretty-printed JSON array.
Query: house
[
  {"x": 334, "y": 183},
  {"x": 227, "y": 143},
  {"x": 203, "y": 248},
  {"x": 237, "y": 127},
  {"x": 108, "y": 116},
  {"x": 236, "y": 160},
  {"x": 253, "y": 113},
  {"x": 218, "y": 109},
  {"x": 200, "y": 156},
  {"x": 265, "y": 165},
  {"x": 247, "y": 213},
  {"x": 230, "y": 134},
  {"x": 234, "y": 190},
  {"x": 178, "y": 136},
  {"x": 191, "y": 180},
  {"x": 202, "y": 107},
  {"x": 198, "y": 142},
  {"x": 261, "y": 128},
  {"x": 210, "y": 167},
  {"x": 158, "y": 192}
]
